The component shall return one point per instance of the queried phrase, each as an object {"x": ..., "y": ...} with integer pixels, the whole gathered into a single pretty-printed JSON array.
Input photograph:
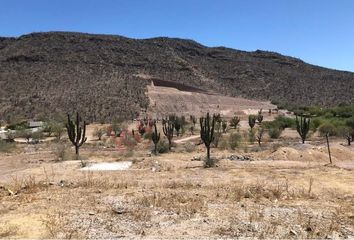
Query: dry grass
[{"x": 171, "y": 196}]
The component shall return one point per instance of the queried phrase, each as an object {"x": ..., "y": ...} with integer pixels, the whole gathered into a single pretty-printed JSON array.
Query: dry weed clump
[
  {"x": 92, "y": 180},
  {"x": 257, "y": 221},
  {"x": 58, "y": 226},
  {"x": 265, "y": 190},
  {"x": 26, "y": 185},
  {"x": 184, "y": 204}
]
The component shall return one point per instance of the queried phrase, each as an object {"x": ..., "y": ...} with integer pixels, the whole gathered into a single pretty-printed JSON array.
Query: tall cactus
[
  {"x": 76, "y": 133},
  {"x": 168, "y": 127},
  {"x": 302, "y": 127},
  {"x": 155, "y": 137},
  {"x": 207, "y": 135}
]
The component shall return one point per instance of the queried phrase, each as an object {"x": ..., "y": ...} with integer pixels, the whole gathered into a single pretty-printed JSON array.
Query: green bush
[
  {"x": 234, "y": 140},
  {"x": 18, "y": 125},
  {"x": 327, "y": 128},
  {"x": 162, "y": 146},
  {"x": 315, "y": 123},
  {"x": 274, "y": 132},
  {"x": 281, "y": 122},
  {"x": 350, "y": 122}
]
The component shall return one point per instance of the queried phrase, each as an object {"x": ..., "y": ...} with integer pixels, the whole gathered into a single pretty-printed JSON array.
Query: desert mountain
[{"x": 105, "y": 77}]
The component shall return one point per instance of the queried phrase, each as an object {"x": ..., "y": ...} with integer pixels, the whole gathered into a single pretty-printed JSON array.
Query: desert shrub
[
  {"x": 36, "y": 136},
  {"x": 234, "y": 140},
  {"x": 285, "y": 122},
  {"x": 110, "y": 143},
  {"x": 24, "y": 133},
  {"x": 162, "y": 146},
  {"x": 99, "y": 132},
  {"x": 217, "y": 136},
  {"x": 251, "y": 136},
  {"x": 189, "y": 147},
  {"x": 350, "y": 122},
  {"x": 60, "y": 151},
  {"x": 18, "y": 125},
  {"x": 127, "y": 139},
  {"x": 10, "y": 135},
  {"x": 223, "y": 144},
  {"x": 274, "y": 132},
  {"x": 327, "y": 128},
  {"x": 280, "y": 122},
  {"x": 315, "y": 123},
  {"x": 58, "y": 129},
  {"x": 7, "y": 146},
  {"x": 148, "y": 135}
]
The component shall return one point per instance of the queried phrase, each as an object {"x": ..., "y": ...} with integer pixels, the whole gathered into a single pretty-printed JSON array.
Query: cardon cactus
[
  {"x": 302, "y": 127},
  {"x": 155, "y": 137},
  {"x": 76, "y": 133},
  {"x": 168, "y": 127},
  {"x": 207, "y": 125}
]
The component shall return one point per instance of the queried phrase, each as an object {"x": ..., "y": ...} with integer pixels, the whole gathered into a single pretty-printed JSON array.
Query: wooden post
[{"x": 329, "y": 150}]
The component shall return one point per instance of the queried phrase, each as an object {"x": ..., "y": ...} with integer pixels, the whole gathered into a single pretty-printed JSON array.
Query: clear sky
[{"x": 320, "y": 32}]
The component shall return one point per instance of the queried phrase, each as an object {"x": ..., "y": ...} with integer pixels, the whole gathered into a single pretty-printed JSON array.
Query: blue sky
[{"x": 320, "y": 32}]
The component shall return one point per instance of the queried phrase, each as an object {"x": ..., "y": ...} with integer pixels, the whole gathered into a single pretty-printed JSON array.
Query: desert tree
[
  {"x": 234, "y": 121},
  {"x": 77, "y": 133},
  {"x": 302, "y": 127},
  {"x": 252, "y": 121},
  {"x": 259, "y": 135},
  {"x": 58, "y": 129},
  {"x": 167, "y": 128},
  {"x": 207, "y": 125},
  {"x": 347, "y": 133},
  {"x": 224, "y": 126},
  {"x": 350, "y": 123},
  {"x": 155, "y": 137}
]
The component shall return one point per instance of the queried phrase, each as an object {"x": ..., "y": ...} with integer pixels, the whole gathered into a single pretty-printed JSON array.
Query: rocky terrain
[{"x": 105, "y": 77}]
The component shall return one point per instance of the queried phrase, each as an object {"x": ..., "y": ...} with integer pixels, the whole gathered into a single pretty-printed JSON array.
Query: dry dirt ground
[
  {"x": 166, "y": 100},
  {"x": 286, "y": 191}
]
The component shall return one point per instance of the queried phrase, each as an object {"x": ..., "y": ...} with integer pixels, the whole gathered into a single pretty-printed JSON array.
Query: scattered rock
[
  {"x": 156, "y": 167},
  {"x": 196, "y": 158},
  {"x": 248, "y": 194},
  {"x": 239, "y": 158},
  {"x": 119, "y": 211}
]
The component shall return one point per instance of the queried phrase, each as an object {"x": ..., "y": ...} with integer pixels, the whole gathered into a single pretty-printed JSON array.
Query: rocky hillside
[{"x": 105, "y": 77}]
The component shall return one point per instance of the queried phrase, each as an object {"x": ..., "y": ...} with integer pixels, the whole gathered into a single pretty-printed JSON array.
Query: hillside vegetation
[{"x": 102, "y": 76}]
